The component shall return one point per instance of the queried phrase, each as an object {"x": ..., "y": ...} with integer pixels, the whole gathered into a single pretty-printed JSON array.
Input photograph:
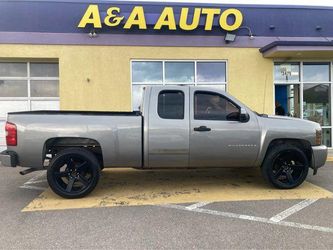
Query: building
[{"x": 77, "y": 55}]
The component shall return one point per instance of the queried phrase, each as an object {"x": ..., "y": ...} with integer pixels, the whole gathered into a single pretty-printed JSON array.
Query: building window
[
  {"x": 27, "y": 86},
  {"x": 147, "y": 72},
  {"x": 211, "y": 72},
  {"x": 308, "y": 83},
  {"x": 316, "y": 72},
  {"x": 29, "y": 80},
  {"x": 173, "y": 72},
  {"x": 13, "y": 88},
  {"x": 287, "y": 72},
  {"x": 179, "y": 72}
]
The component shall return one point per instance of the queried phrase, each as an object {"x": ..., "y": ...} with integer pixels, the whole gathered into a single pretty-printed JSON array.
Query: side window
[
  {"x": 171, "y": 104},
  {"x": 211, "y": 106}
]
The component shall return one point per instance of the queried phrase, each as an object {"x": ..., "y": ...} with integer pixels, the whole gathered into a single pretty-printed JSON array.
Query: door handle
[{"x": 202, "y": 129}]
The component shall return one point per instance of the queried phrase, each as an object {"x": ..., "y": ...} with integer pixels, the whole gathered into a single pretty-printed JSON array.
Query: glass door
[
  {"x": 287, "y": 100},
  {"x": 308, "y": 83},
  {"x": 317, "y": 96},
  {"x": 287, "y": 89}
]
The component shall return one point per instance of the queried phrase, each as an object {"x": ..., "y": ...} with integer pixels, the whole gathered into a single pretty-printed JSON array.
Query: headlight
[{"x": 318, "y": 137}]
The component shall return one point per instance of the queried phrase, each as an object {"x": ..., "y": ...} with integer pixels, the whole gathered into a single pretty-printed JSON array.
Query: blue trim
[
  {"x": 166, "y": 3},
  {"x": 130, "y": 40},
  {"x": 63, "y": 16}
]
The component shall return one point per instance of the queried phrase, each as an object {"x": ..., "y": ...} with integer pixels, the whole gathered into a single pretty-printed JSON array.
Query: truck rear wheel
[
  {"x": 285, "y": 166},
  {"x": 73, "y": 173}
]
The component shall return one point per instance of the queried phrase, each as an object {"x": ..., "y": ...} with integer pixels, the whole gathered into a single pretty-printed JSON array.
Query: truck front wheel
[
  {"x": 285, "y": 166},
  {"x": 73, "y": 173}
]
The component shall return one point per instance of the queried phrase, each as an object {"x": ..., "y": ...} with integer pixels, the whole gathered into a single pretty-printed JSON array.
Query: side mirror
[{"x": 243, "y": 116}]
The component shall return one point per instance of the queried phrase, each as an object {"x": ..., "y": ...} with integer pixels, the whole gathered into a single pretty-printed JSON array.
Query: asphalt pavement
[{"x": 265, "y": 223}]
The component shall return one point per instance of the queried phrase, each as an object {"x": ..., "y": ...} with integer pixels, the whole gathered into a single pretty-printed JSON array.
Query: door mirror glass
[{"x": 244, "y": 116}]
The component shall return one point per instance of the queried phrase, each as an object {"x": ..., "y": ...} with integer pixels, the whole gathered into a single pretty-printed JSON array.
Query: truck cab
[{"x": 197, "y": 127}]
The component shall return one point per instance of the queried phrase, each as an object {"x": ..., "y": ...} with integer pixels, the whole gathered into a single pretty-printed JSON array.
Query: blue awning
[{"x": 294, "y": 49}]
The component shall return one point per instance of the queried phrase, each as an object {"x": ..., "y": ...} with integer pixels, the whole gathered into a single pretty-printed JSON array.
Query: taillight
[{"x": 11, "y": 134}]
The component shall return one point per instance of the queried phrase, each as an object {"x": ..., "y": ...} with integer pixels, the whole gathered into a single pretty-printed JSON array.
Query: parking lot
[{"x": 216, "y": 208}]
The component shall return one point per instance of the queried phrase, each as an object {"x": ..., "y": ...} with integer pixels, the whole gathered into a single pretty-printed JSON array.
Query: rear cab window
[{"x": 171, "y": 104}]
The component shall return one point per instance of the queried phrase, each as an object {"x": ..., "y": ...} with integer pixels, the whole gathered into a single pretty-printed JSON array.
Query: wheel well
[
  {"x": 54, "y": 145},
  {"x": 303, "y": 145}
]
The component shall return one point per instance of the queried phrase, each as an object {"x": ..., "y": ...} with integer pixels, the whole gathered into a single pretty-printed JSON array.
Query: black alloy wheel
[
  {"x": 73, "y": 173},
  {"x": 285, "y": 167}
]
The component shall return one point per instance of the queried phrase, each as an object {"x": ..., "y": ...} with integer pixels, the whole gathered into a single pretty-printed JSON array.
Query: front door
[
  {"x": 217, "y": 137},
  {"x": 168, "y": 135}
]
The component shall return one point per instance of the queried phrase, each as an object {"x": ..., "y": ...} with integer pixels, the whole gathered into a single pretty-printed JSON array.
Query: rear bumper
[
  {"x": 8, "y": 159},
  {"x": 319, "y": 156}
]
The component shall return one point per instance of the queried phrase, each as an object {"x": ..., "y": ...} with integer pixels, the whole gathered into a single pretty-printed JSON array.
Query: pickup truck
[{"x": 176, "y": 127}]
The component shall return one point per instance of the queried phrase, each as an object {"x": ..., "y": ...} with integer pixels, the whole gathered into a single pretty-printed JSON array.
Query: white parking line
[
  {"x": 34, "y": 180},
  {"x": 252, "y": 218},
  {"x": 33, "y": 187},
  {"x": 294, "y": 209},
  {"x": 197, "y": 205}
]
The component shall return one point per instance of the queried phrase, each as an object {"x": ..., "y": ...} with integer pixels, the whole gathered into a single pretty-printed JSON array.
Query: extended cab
[{"x": 177, "y": 127}]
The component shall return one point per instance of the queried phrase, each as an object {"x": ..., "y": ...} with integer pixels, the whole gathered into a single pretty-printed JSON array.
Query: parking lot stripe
[
  {"x": 33, "y": 187},
  {"x": 197, "y": 205},
  {"x": 294, "y": 209},
  {"x": 34, "y": 182},
  {"x": 253, "y": 218},
  {"x": 127, "y": 187},
  {"x": 36, "y": 178}
]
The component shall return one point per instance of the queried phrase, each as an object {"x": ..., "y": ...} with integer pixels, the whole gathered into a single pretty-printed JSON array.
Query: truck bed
[
  {"x": 75, "y": 112},
  {"x": 118, "y": 134}
]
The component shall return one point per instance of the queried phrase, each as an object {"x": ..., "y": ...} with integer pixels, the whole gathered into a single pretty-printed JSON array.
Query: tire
[
  {"x": 73, "y": 173},
  {"x": 285, "y": 166}
]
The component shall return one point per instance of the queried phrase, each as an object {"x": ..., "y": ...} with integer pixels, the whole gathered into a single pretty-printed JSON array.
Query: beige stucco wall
[{"x": 108, "y": 70}]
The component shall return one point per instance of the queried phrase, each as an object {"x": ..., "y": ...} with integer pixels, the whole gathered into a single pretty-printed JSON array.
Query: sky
[{"x": 266, "y": 2}]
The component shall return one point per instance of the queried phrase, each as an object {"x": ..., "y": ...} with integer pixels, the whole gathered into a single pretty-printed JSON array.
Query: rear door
[
  {"x": 217, "y": 137},
  {"x": 168, "y": 135}
]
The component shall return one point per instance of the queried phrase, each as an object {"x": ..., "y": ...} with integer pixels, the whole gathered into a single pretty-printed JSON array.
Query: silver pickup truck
[{"x": 176, "y": 127}]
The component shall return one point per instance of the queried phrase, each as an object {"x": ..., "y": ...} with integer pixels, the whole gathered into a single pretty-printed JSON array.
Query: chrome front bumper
[
  {"x": 319, "y": 156},
  {"x": 8, "y": 159}
]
